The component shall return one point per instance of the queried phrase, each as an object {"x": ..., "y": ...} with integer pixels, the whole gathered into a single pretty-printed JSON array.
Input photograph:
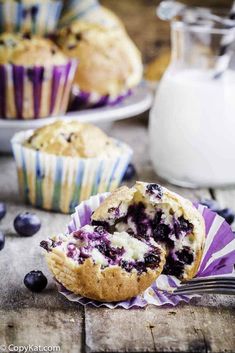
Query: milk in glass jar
[{"x": 192, "y": 121}]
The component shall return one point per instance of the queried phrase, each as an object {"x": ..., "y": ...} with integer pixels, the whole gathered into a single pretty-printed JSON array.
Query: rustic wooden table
[{"x": 48, "y": 319}]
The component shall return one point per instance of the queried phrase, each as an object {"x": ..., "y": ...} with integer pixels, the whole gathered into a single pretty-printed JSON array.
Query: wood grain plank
[
  {"x": 181, "y": 329},
  {"x": 40, "y": 327}
]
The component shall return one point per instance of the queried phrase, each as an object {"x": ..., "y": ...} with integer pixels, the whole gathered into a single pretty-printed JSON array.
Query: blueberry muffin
[
  {"x": 109, "y": 62},
  {"x": 132, "y": 237},
  {"x": 103, "y": 266},
  {"x": 63, "y": 163},
  {"x": 33, "y": 16},
  {"x": 36, "y": 77},
  {"x": 74, "y": 139},
  {"x": 152, "y": 213}
]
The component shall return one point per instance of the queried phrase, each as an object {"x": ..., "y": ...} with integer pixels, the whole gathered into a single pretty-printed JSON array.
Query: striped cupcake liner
[
  {"x": 60, "y": 183},
  {"x": 83, "y": 100},
  {"x": 35, "y": 16},
  {"x": 218, "y": 259},
  {"x": 75, "y": 9},
  {"x": 35, "y": 92}
]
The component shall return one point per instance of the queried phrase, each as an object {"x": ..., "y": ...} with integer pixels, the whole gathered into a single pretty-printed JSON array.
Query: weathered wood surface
[{"x": 206, "y": 325}]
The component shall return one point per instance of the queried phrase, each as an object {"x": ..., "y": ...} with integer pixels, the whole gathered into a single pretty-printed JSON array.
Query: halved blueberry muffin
[
  {"x": 104, "y": 266},
  {"x": 152, "y": 213},
  {"x": 132, "y": 237}
]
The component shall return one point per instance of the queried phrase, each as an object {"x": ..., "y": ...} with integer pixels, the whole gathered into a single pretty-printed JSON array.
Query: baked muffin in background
[
  {"x": 109, "y": 62},
  {"x": 74, "y": 139},
  {"x": 36, "y": 77},
  {"x": 34, "y": 16},
  {"x": 63, "y": 163}
]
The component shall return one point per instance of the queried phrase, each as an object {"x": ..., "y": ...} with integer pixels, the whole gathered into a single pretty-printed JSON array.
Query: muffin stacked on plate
[
  {"x": 109, "y": 62},
  {"x": 36, "y": 75}
]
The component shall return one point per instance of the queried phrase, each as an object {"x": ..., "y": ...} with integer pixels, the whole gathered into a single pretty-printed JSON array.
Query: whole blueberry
[
  {"x": 2, "y": 240},
  {"x": 3, "y": 210},
  {"x": 227, "y": 214},
  {"x": 129, "y": 173},
  {"x": 211, "y": 204},
  {"x": 27, "y": 224},
  {"x": 35, "y": 281}
]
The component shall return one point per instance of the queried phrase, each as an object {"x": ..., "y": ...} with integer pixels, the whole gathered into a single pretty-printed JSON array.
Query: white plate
[{"x": 137, "y": 103}]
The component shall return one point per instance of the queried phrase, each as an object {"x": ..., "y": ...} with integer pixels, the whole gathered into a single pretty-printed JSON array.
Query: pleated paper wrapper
[
  {"x": 218, "y": 259},
  {"x": 35, "y": 92},
  {"x": 60, "y": 183},
  {"x": 37, "y": 17}
]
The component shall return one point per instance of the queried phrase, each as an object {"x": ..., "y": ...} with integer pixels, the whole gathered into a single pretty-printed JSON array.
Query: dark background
[{"x": 151, "y": 34}]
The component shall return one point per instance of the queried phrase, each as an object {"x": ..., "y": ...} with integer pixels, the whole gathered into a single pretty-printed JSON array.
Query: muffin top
[
  {"x": 72, "y": 138},
  {"x": 109, "y": 62},
  {"x": 27, "y": 50}
]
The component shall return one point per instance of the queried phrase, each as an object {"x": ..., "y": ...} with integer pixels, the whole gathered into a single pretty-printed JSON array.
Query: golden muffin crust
[
  {"x": 27, "y": 50},
  {"x": 109, "y": 62},
  {"x": 89, "y": 280},
  {"x": 72, "y": 138},
  {"x": 115, "y": 267}
]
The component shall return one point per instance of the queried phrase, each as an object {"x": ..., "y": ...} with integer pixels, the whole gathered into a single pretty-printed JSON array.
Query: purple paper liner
[
  {"x": 218, "y": 259},
  {"x": 35, "y": 92},
  {"x": 38, "y": 17},
  {"x": 83, "y": 100}
]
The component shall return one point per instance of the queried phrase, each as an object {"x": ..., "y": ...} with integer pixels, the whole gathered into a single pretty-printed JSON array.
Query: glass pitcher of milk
[{"x": 192, "y": 121}]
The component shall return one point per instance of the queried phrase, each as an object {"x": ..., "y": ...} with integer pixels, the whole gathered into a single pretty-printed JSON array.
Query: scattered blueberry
[
  {"x": 27, "y": 224},
  {"x": 3, "y": 210},
  {"x": 129, "y": 173},
  {"x": 211, "y": 204},
  {"x": 35, "y": 281},
  {"x": 227, "y": 214},
  {"x": 2, "y": 240}
]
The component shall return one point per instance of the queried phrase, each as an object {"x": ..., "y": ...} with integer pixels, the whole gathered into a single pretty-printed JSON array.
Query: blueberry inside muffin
[
  {"x": 133, "y": 236},
  {"x": 101, "y": 265},
  {"x": 151, "y": 213},
  {"x": 106, "y": 249},
  {"x": 114, "y": 64}
]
